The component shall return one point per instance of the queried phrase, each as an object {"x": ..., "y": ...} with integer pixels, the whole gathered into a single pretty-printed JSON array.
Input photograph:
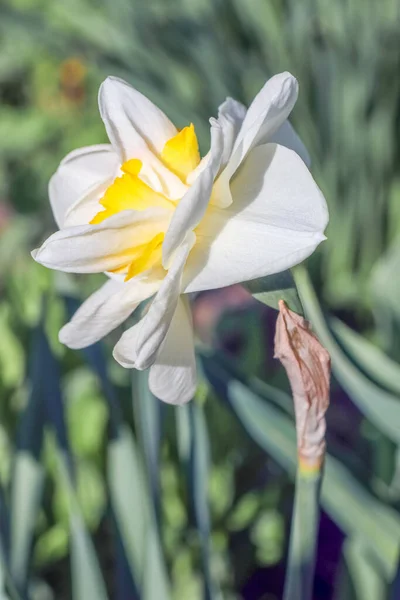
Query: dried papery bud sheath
[{"x": 307, "y": 365}]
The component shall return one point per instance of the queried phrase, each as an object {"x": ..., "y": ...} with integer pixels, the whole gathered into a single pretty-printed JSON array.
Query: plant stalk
[{"x": 304, "y": 534}]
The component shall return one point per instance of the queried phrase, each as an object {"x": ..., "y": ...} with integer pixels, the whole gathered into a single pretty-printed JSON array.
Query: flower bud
[{"x": 307, "y": 365}]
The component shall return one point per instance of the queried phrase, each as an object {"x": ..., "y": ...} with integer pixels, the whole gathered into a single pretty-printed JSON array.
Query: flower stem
[{"x": 304, "y": 534}]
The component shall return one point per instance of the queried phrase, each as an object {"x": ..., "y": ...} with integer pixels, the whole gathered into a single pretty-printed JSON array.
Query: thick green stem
[{"x": 303, "y": 537}]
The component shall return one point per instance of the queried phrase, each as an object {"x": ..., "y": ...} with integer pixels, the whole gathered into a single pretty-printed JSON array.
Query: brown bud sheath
[{"x": 307, "y": 365}]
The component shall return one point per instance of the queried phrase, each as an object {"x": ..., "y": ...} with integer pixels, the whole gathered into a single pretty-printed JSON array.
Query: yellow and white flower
[{"x": 161, "y": 222}]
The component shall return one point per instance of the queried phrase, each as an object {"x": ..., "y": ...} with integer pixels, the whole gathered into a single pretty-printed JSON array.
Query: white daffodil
[{"x": 161, "y": 222}]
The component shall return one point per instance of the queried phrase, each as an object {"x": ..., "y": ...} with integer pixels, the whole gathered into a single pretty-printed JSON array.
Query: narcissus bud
[{"x": 308, "y": 367}]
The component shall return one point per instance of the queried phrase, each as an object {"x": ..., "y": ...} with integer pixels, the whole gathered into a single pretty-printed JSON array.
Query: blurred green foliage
[{"x": 218, "y": 486}]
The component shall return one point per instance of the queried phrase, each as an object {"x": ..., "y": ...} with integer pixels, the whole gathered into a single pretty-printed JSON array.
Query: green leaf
[
  {"x": 87, "y": 579},
  {"x": 385, "y": 281},
  {"x": 126, "y": 485},
  {"x": 26, "y": 495},
  {"x": 371, "y": 359},
  {"x": 194, "y": 451},
  {"x": 147, "y": 410},
  {"x": 28, "y": 472},
  {"x": 3, "y": 576},
  {"x": 269, "y": 290},
  {"x": 366, "y": 579},
  {"x": 199, "y": 474},
  {"x": 377, "y": 404},
  {"x": 135, "y": 518}
]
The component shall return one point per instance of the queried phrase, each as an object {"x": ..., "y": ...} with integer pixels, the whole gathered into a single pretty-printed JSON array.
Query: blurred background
[{"x": 104, "y": 493}]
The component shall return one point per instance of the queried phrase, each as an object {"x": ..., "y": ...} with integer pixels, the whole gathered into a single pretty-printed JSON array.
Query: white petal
[
  {"x": 287, "y": 136},
  {"x": 104, "y": 310},
  {"x": 276, "y": 220},
  {"x": 172, "y": 377},
  {"x": 139, "y": 345},
  {"x": 231, "y": 115},
  {"x": 87, "y": 206},
  {"x": 102, "y": 247},
  {"x": 80, "y": 171},
  {"x": 123, "y": 108},
  {"x": 268, "y": 111},
  {"x": 138, "y": 129},
  {"x": 193, "y": 205}
]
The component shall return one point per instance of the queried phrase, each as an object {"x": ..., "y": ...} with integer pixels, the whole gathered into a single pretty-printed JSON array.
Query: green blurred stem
[
  {"x": 309, "y": 300},
  {"x": 6, "y": 580},
  {"x": 303, "y": 537},
  {"x": 304, "y": 534}
]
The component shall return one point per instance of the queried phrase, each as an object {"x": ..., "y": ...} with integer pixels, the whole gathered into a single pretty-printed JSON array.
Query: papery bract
[{"x": 308, "y": 368}]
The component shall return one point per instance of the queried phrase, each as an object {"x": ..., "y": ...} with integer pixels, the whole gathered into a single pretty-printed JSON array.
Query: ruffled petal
[
  {"x": 231, "y": 115},
  {"x": 138, "y": 129},
  {"x": 139, "y": 345},
  {"x": 268, "y": 111},
  {"x": 105, "y": 310},
  {"x": 276, "y": 220},
  {"x": 230, "y": 118},
  {"x": 103, "y": 247},
  {"x": 172, "y": 377},
  {"x": 193, "y": 205},
  {"x": 80, "y": 171}
]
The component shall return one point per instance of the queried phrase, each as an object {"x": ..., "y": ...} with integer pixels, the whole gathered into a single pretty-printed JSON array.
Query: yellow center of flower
[
  {"x": 129, "y": 192},
  {"x": 181, "y": 153}
]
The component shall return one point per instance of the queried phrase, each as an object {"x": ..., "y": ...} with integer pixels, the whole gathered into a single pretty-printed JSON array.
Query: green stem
[
  {"x": 303, "y": 538},
  {"x": 310, "y": 303}
]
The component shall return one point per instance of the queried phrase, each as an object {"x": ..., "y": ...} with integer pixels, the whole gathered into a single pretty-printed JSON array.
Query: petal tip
[
  {"x": 63, "y": 337},
  {"x": 108, "y": 86},
  {"x": 167, "y": 395},
  {"x": 67, "y": 336},
  {"x": 290, "y": 86},
  {"x": 121, "y": 359},
  {"x": 110, "y": 80}
]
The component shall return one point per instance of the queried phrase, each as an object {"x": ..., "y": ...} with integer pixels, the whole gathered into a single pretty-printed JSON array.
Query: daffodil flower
[{"x": 161, "y": 222}]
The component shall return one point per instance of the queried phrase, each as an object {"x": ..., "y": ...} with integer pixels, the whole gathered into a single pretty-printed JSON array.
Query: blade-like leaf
[
  {"x": 87, "y": 580},
  {"x": 366, "y": 580},
  {"x": 148, "y": 417},
  {"x": 28, "y": 473},
  {"x": 371, "y": 359},
  {"x": 199, "y": 477},
  {"x": 378, "y": 405},
  {"x": 26, "y": 495},
  {"x": 126, "y": 482},
  {"x": 4, "y": 576},
  {"x": 269, "y": 290},
  {"x": 124, "y": 582},
  {"x": 134, "y": 514}
]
